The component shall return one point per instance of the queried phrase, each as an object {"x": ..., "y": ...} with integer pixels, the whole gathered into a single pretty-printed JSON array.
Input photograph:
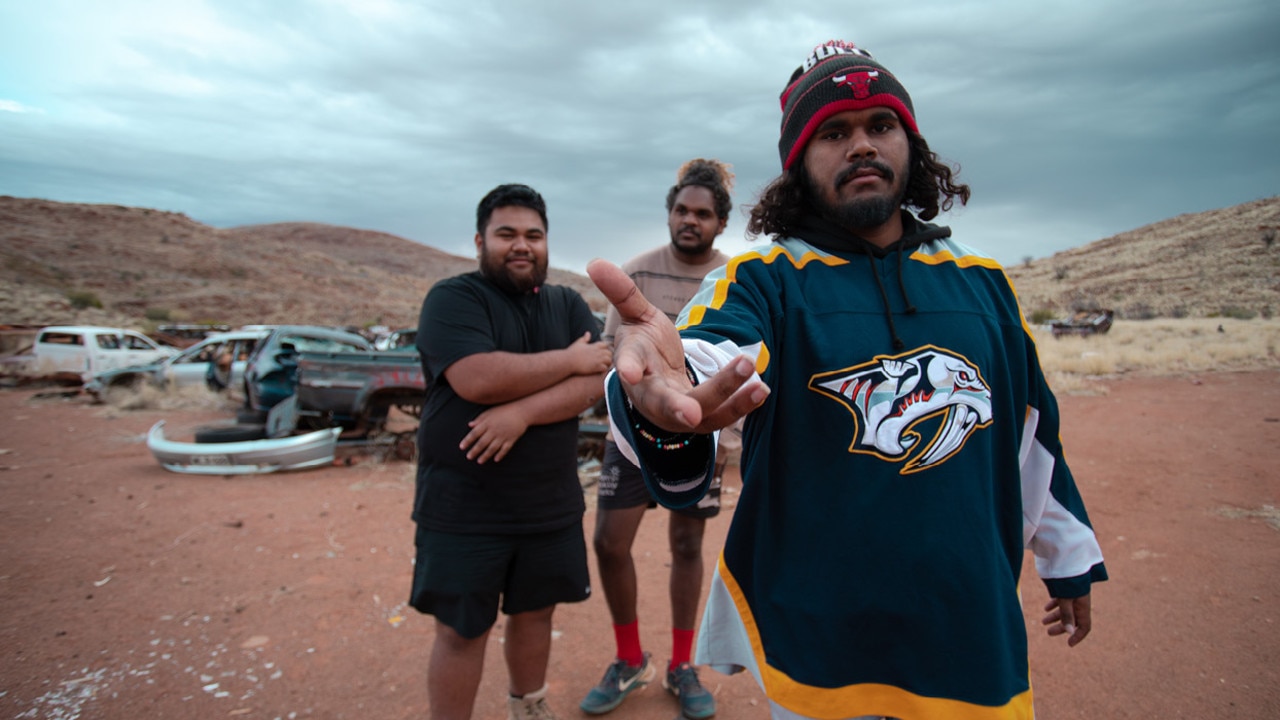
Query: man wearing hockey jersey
[{"x": 900, "y": 448}]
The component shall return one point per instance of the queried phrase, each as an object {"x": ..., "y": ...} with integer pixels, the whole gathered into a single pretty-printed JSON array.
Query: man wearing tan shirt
[{"x": 698, "y": 208}]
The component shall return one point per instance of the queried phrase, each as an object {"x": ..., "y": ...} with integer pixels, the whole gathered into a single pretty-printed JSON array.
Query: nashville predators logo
[{"x": 892, "y": 397}]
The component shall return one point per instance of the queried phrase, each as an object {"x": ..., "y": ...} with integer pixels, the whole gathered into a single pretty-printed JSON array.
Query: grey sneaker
[
  {"x": 530, "y": 707},
  {"x": 620, "y": 679},
  {"x": 695, "y": 702}
]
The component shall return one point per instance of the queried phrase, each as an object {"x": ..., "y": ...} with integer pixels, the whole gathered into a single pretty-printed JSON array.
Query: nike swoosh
[{"x": 637, "y": 678}]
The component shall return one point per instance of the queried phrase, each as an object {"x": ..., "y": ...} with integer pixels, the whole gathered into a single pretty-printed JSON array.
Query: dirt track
[{"x": 129, "y": 592}]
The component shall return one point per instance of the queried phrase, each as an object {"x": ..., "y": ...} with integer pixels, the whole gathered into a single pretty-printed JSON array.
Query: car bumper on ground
[{"x": 252, "y": 457}]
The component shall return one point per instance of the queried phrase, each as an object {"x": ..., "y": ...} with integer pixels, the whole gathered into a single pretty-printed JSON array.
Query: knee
[
  {"x": 686, "y": 545},
  {"x": 610, "y": 549}
]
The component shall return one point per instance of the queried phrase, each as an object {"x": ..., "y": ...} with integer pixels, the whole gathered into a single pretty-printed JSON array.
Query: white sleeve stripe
[
  {"x": 1064, "y": 547},
  {"x": 1028, "y": 435},
  {"x": 1037, "y": 471}
]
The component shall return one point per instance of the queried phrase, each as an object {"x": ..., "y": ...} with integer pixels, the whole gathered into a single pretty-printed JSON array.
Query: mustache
[{"x": 847, "y": 174}]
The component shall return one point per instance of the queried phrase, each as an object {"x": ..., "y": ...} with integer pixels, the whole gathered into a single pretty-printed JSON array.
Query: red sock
[
  {"x": 681, "y": 647},
  {"x": 628, "y": 639}
]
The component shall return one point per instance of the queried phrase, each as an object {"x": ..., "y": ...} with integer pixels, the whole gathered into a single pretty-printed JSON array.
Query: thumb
[
  {"x": 620, "y": 290},
  {"x": 1068, "y": 616}
]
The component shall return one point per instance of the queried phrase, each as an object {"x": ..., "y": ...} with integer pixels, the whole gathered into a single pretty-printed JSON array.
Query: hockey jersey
[{"x": 906, "y": 457}]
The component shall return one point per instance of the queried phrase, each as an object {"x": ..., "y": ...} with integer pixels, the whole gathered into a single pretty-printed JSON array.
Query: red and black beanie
[{"x": 837, "y": 76}]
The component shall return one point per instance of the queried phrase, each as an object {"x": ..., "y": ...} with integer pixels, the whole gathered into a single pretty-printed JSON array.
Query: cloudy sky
[{"x": 1071, "y": 121}]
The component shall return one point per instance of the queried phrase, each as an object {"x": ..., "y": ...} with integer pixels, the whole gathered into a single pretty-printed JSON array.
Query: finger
[
  {"x": 1084, "y": 620},
  {"x": 1068, "y": 616},
  {"x": 620, "y": 290},
  {"x": 729, "y": 394},
  {"x": 1080, "y": 634},
  {"x": 485, "y": 453},
  {"x": 470, "y": 438},
  {"x": 667, "y": 407}
]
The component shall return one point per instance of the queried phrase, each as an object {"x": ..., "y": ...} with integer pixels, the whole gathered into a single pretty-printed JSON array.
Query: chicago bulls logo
[
  {"x": 859, "y": 82},
  {"x": 891, "y": 397}
]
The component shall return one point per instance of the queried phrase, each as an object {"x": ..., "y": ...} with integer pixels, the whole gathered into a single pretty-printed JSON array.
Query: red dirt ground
[{"x": 130, "y": 592}]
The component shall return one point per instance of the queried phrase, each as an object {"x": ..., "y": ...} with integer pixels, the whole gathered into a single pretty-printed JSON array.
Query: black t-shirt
[{"x": 535, "y": 487}]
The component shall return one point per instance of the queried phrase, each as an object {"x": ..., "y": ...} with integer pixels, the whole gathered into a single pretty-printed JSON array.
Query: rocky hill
[
  {"x": 59, "y": 260},
  {"x": 143, "y": 266},
  {"x": 1221, "y": 262}
]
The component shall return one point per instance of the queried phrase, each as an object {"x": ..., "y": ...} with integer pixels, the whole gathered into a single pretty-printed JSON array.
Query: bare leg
[
  {"x": 615, "y": 533},
  {"x": 454, "y": 673},
  {"x": 528, "y": 649},
  {"x": 685, "y": 537}
]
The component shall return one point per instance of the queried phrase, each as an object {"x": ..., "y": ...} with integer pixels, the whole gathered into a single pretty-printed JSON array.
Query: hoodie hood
[{"x": 823, "y": 233}]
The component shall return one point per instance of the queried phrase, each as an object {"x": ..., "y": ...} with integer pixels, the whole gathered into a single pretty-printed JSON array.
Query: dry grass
[
  {"x": 150, "y": 397},
  {"x": 1157, "y": 347}
]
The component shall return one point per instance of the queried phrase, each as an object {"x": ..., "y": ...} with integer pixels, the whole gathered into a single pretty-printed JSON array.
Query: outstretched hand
[{"x": 649, "y": 359}]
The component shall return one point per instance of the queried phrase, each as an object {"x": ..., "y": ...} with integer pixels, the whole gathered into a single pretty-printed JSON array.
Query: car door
[
  {"x": 107, "y": 352},
  {"x": 241, "y": 350},
  {"x": 140, "y": 350},
  {"x": 190, "y": 366}
]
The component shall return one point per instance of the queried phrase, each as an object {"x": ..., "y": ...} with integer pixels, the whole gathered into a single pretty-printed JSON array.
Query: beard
[
  {"x": 859, "y": 213},
  {"x": 495, "y": 271},
  {"x": 700, "y": 246}
]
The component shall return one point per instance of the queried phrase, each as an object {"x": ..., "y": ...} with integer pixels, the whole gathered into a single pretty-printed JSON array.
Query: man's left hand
[
  {"x": 492, "y": 434},
  {"x": 1070, "y": 617}
]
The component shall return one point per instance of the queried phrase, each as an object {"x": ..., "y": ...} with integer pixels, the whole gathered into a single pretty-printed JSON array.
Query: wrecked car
[
  {"x": 82, "y": 350},
  {"x": 218, "y": 361},
  {"x": 1084, "y": 323},
  {"x": 271, "y": 374}
]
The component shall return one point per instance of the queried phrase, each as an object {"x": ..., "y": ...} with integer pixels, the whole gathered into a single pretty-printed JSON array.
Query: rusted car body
[{"x": 1084, "y": 322}]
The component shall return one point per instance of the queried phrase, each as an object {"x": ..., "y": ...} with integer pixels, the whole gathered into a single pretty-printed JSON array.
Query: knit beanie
[{"x": 837, "y": 76}]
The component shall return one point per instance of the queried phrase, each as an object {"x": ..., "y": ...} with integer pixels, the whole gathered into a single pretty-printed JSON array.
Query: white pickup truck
[{"x": 84, "y": 350}]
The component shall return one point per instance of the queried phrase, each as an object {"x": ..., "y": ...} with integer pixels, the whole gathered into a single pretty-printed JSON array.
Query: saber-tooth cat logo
[{"x": 890, "y": 397}]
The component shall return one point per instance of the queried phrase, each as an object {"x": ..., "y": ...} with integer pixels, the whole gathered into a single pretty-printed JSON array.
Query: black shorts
[
  {"x": 622, "y": 486},
  {"x": 460, "y": 578}
]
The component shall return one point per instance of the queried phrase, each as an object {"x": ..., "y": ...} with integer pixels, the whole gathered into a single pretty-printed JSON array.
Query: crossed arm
[
  {"x": 525, "y": 389},
  {"x": 498, "y": 377}
]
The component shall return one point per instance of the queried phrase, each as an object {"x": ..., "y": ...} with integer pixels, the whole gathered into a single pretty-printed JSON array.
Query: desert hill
[
  {"x": 1216, "y": 263},
  {"x": 143, "y": 266}
]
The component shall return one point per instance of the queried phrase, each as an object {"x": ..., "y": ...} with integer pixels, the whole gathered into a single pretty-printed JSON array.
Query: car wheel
[{"x": 232, "y": 433}]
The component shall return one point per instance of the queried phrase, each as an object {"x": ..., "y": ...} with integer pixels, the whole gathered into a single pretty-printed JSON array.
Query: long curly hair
[{"x": 931, "y": 188}]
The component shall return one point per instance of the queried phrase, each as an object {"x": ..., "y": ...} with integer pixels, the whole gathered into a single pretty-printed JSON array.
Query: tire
[
  {"x": 232, "y": 433},
  {"x": 249, "y": 416}
]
